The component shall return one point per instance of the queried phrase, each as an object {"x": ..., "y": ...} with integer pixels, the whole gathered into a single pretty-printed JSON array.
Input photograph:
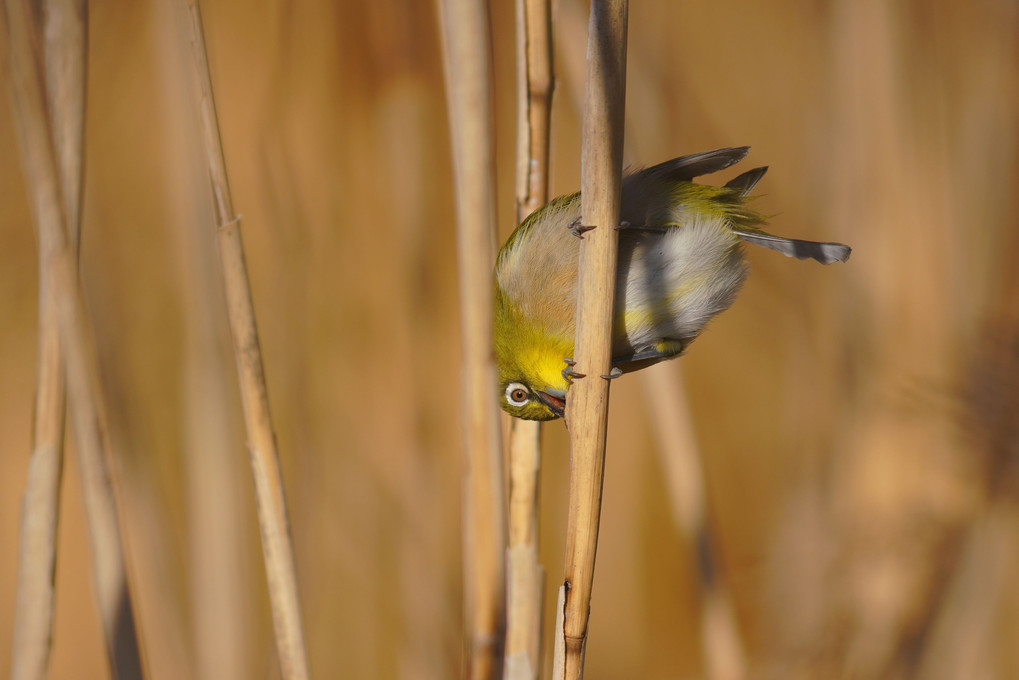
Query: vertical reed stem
[
  {"x": 467, "y": 48},
  {"x": 277, "y": 549},
  {"x": 559, "y": 647},
  {"x": 587, "y": 407},
  {"x": 525, "y": 576},
  {"x": 88, "y": 411},
  {"x": 724, "y": 657},
  {"x": 65, "y": 57}
]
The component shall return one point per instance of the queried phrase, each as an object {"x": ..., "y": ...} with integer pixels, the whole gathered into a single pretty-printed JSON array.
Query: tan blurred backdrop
[{"x": 855, "y": 421}]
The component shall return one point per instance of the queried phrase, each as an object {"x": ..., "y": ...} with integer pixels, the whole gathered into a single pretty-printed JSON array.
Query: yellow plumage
[{"x": 680, "y": 264}]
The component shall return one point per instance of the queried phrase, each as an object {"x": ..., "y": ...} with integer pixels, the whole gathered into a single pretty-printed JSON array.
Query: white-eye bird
[{"x": 680, "y": 263}]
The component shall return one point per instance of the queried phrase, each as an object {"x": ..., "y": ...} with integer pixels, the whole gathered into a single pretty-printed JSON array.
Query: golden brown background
[{"x": 856, "y": 422}]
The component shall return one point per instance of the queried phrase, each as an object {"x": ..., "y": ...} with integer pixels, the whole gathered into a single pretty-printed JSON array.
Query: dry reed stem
[
  {"x": 680, "y": 455},
  {"x": 83, "y": 382},
  {"x": 65, "y": 57},
  {"x": 277, "y": 549},
  {"x": 466, "y": 28},
  {"x": 535, "y": 84},
  {"x": 525, "y": 576},
  {"x": 559, "y": 645},
  {"x": 892, "y": 473},
  {"x": 962, "y": 637},
  {"x": 219, "y": 623},
  {"x": 587, "y": 407},
  {"x": 678, "y": 450}
]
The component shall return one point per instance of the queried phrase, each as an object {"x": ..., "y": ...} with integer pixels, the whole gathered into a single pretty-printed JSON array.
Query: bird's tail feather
[{"x": 825, "y": 253}]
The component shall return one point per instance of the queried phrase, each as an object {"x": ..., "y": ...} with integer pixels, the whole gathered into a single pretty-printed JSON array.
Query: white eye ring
[{"x": 517, "y": 394}]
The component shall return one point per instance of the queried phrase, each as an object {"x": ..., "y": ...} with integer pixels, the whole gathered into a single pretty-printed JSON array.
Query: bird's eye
[{"x": 517, "y": 394}]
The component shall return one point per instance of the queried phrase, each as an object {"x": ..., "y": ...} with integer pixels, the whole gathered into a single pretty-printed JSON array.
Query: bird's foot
[
  {"x": 569, "y": 374},
  {"x": 614, "y": 373},
  {"x": 578, "y": 229}
]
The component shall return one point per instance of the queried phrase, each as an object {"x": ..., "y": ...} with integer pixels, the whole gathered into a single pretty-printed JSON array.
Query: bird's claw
[
  {"x": 569, "y": 374},
  {"x": 623, "y": 225},
  {"x": 614, "y": 373},
  {"x": 578, "y": 229}
]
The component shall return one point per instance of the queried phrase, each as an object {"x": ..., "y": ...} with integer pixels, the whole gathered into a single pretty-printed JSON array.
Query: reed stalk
[
  {"x": 680, "y": 455},
  {"x": 219, "y": 623},
  {"x": 721, "y": 642},
  {"x": 559, "y": 646},
  {"x": 277, "y": 549},
  {"x": 587, "y": 407},
  {"x": 87, "y": 407},
  {"x": 466, "y": 28},
  {"x": 525, "y": 576},
  {"x": 65, "y": 53}
]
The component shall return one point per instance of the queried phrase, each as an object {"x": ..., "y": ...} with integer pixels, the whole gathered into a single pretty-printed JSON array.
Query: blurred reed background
[{"x": 856, "y": 422}]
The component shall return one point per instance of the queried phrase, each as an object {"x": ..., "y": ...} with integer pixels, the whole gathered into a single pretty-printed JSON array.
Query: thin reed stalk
[
  {"x": 466, "y": 27},
  {"x": 277, "y": 549},
  {"x": 680, "y": 455},
  {"x": 587, "y": 407},
  {"x": 889, "y": 574},
  {"x": 724, "y": 657},
  {"x": 559, "y": 647},
  {"x": 535, "y": 84},
  {"x": 220, "y": 622},
  {"x": 525, "y": 576},
  {"x": 88, "y": 411},
  {"x": 66, "y": 31},
  {"x": 962, "y": 632}
]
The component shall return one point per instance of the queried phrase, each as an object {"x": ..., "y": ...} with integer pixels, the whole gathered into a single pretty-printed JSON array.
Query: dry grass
[
  {"x": 828, "y": 402},
  {"x": 721, "y": 641},
  {"x": 270, "y": 499},
  {"x": 64, "y": 46},
  {"x": 39, "y": 156},
  {"x": 467, "y": 46}
]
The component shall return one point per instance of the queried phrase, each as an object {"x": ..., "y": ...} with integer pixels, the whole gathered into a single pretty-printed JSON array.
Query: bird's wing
[
  {"x": 685, "y": 168},
  {"x": 747, "y": 181}
]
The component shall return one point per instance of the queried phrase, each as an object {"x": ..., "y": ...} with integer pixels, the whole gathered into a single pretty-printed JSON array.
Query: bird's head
[{"x": 529, "y": 360}]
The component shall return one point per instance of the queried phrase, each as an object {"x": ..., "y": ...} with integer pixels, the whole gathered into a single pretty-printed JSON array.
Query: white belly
[{"x": 676, "y": 280}]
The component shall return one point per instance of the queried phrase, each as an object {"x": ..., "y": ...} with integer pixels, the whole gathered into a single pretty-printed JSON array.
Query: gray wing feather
[
  {"x": 695, "y": 165},
  {"x": 747, "y": 181}
]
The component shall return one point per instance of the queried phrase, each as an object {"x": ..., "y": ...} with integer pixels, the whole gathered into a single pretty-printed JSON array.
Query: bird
[{"x": 680, "y": 263}]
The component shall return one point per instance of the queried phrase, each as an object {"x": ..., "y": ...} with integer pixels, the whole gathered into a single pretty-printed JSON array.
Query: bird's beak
[{"x": 556, "y": 404}]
